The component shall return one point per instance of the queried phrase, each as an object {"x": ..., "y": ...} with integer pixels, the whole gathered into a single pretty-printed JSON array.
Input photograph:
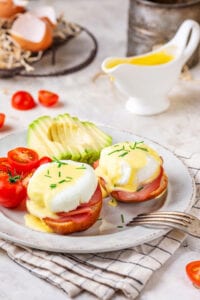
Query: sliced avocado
[
  {"x": 75, "y": 132},
  {"x": 66, "y": 137},
  {"x": 65, "y": 132},
  {"x": 40, "y": 139}
]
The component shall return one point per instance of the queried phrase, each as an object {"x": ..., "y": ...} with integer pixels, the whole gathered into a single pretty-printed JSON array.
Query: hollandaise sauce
[
  {"x": 126, "y": 166},
  {"x": 59, "y": 186},
  {"x": 36, "y": 223},
  {"x": 152, "y": 59}
]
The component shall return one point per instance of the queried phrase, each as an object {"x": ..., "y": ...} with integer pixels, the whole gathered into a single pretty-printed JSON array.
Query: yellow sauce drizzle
[{"x": 153, "y": 59}]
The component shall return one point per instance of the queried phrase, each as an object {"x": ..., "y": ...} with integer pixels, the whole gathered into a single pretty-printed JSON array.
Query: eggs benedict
[
  {"x": 131, "y": 172},
  {"x": 64, "y": 197}
]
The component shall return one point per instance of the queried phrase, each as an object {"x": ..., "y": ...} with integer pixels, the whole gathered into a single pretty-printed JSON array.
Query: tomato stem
[{"x": 13, "y": 179}]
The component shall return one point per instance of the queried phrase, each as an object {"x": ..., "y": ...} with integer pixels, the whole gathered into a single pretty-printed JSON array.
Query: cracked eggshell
[
  {"x": 45, "y": 13},
  {"x": 32, "y": 33},
  {"x": 20, "y": 2},
  {"x": 9, "y": 8}
]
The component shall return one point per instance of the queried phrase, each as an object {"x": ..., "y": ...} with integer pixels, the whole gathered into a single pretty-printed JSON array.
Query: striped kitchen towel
[{"x": 104, "y": 274}]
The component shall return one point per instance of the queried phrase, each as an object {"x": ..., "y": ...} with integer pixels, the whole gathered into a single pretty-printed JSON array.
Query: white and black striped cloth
[{"x": 104, "y": 274}]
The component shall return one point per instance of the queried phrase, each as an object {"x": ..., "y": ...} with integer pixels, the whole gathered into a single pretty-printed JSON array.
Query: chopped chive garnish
[
  {"x": 53, "y": 185},
  {"x": 68, "y": 177},
  {"x": 59, "y": 174},
  {"x": 140, "y": 142},
  {"x": 144, "y": 149},
  {"x": 47, "y": 176},
  {"x": 62, "y": 181},
  {"x": 119, "y": 226},
  {"x": 47, "y": 172},
  {"x": 118, "y": 150},
  {"x": 60, "y": 163},
  {"x": 55, "y": 159},
  {"x": 122, "y": 218},
  {"x": 134, "y": 145},
  {"x": 123, "y": 154},
  {"x": 139, "y": 189},
  {"x": 99, "y": 219},
  {"x": 127, "y": 148}
]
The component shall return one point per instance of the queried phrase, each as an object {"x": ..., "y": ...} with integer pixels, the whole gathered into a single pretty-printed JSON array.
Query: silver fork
[{"x": 182, "y": 221}]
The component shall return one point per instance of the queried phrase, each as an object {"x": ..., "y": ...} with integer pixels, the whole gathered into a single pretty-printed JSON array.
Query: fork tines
[{"x": 163, "y": 218}]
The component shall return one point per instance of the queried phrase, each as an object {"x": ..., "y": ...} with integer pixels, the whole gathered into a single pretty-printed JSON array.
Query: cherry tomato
[
  {"x": 47, "y": 98},
  {"x": 193, "y": 272},
  {"x": 5, "y": 167},
  {"x": 3, "y": 170},
  {"x": 44, "y": 160},
  {"x": 2, "y": 119},
  {"x": 6, "y": 171},
  {"x": 23, "y": 159},
  {"x": 12, "y": 191},
  {"x": 23, "y": 100},
  {"x": 4, "y": 162}
]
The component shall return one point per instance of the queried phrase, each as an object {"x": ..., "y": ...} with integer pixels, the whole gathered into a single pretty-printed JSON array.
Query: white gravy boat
[{"x": 147, "y": 86}]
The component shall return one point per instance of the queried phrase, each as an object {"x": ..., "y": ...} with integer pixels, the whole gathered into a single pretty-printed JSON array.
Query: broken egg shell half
[
  {"x": 8, "y": 9},
  {"x": 46, "y": 13},
  {"x": 32, "y": 33}
]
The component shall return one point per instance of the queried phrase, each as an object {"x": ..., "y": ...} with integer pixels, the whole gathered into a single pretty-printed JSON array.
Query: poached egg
[
  {"x": 125, "y": 166},
  {"x": 59, "y": 186}
]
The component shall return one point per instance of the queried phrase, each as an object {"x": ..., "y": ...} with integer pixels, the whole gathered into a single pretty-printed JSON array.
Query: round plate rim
[{"x": 96, "y": 248}]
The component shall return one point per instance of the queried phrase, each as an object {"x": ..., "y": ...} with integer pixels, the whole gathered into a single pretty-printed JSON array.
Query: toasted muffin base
[{"x": 67, "y": 227}]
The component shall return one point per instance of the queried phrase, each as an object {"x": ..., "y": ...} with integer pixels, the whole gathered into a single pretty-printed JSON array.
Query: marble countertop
[{"x": 99, "y": 101}]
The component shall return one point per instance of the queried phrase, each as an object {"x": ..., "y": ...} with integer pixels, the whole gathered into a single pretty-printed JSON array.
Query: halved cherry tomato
[
  {"x": 5, "y": 167},
  {"x": 12, "y": 191},
  {"x": 47, "y": 98},
  {"x": 3, "y": 170},
  {"x": 23, "y": 100},
  {"x": 44, "y": 160},
  {"x": 4, "y": 162},
  {"x": 23, "y": 159},
  {"x": 193, "y": 272},
  {"x": 6, "y": 171},
  {"x": 2, "y": 119}
]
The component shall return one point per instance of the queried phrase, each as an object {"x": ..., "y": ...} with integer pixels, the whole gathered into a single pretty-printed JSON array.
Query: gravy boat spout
[{"x": 147, "y": 79}]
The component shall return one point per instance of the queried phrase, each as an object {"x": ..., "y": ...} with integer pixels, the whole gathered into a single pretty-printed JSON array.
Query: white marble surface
[{"x": 178, "y": 129}]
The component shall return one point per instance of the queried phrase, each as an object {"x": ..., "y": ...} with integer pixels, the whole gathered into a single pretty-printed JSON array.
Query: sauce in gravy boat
[{"x": 147, "y": 79}]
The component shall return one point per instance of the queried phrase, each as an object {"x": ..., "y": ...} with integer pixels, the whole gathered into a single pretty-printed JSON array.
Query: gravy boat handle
[{"x": 187, "y": 39}]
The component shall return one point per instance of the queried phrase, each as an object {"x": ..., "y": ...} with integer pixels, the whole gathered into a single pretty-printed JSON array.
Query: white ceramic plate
[{"x": 100, "y": 238}]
